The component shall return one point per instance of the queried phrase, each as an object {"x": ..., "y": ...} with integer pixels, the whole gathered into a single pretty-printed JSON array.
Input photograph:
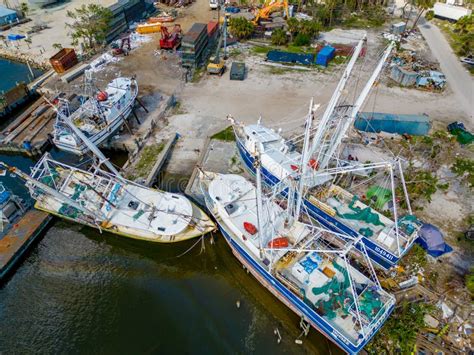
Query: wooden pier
[
  {"x": 30, "y": 132},
  {"x": 19, "y": 238}
]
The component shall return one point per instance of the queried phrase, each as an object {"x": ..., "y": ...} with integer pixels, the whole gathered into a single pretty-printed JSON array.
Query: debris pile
[{"x": 407, "y": 69}]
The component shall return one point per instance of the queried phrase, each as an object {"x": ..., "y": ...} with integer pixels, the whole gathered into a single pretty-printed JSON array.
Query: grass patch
[
  {"x": 226, "y": 135},
  {"x": 261, "y": 49},
  {"x": 147, "y": 159},
  {"x": 197, "y": 75}
]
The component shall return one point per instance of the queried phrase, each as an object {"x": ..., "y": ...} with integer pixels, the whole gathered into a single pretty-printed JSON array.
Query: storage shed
[
  {"x": 325, "y": 55},
  {"x": 7, "y": 15}
]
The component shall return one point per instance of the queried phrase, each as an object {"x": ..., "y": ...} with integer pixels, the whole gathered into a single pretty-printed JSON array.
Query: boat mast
[
  {"x": 259, "y": 201},
  {"x": 304, "y": 159},
  {"x": 88, "y": 143},
  {"x": 343, "y": 127},
  {"x": 49, "y": 190},
  {"x": 323, "y": 124}
]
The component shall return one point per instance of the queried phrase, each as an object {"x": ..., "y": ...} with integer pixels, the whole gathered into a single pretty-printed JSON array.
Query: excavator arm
[{"x": 268, "y": 8}]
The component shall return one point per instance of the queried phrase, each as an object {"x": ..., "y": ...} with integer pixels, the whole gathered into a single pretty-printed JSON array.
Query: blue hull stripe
[
  {"x": 381, "y": 256},
  {"x": 273, "y": 284}
]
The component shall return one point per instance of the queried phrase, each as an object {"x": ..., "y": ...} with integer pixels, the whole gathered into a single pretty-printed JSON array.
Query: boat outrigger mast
[{"x": 328, "y": 148}]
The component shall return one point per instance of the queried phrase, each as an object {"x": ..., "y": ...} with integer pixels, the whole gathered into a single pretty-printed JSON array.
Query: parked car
[{"x": 468, "y": 60}]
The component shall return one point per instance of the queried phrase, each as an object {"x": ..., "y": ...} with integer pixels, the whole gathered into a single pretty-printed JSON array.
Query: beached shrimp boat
[
  {"x": 110, "y": 203},
  {"x": 99, "y": 117},
  {"x": 307, "y": 268}
]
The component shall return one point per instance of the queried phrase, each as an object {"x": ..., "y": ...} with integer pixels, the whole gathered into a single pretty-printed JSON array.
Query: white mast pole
[
  {"x": 304, "y": 160},
  {"x": 88, "y": 143},
  {"x": 407, "y": 198},
  {"x": 356, "y": 108},
  {"x": 394, "y": 202},
  {"x": 335, "y": 97},
  {"x": 259, "y": 201}
]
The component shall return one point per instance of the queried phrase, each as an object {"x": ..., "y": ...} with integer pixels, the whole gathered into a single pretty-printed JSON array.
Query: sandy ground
[
  {"x": 40, "y": 50},
  {"x": 55, "y": 18}
]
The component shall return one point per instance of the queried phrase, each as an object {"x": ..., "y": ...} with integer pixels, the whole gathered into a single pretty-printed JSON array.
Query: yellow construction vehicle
[
  {"x": 216, "y": 63},
  {"x": 268, "y": 7}
]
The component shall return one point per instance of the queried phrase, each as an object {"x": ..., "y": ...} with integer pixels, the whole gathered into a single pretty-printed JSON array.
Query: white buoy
[
  {"x": 237, "y": 303},
  {"x": 298, "y": 341}
]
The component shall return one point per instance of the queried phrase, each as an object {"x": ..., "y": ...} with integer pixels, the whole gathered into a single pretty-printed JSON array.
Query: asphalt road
[{"x": 457, "y": 76}]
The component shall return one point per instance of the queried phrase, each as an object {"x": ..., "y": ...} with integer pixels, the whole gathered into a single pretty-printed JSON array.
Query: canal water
[
  {"x": 13, "y": 72},
  {"x": 80, "y": 291}
]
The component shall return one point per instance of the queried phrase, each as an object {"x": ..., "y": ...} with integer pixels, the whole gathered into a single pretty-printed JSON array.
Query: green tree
[
  {"x": 470, "y": 281},
  {"x": 57, "y": 46},
  {"x": 293, "y": 26},
  {"x": 465, "y": 25},
  {"x": 310, "y": 28},
  {"x": 279, "y": 37},
  {"x": 24, "y": 9},
  {"x": 302, "y": 40},
  {"x": 90, "y": 24},
  {"x": 241, "y": 27}
]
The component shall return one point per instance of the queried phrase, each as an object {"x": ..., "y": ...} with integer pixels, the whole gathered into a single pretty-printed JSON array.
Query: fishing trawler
[
  {"x": 110, "y": 203},
  {"x": 99, "y": 117},
  {"x": 357, "y": 208},
  {"x": 307, "y": 268}
]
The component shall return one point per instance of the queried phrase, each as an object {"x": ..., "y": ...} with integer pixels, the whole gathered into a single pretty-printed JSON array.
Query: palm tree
[{"x": 24, "y": 9}]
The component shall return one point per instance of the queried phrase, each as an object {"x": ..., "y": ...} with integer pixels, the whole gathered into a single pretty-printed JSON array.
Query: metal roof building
[{"x": 7, "y": 15}]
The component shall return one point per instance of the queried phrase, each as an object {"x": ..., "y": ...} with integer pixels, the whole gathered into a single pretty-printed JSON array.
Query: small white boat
[{"x": 99, "y": 117}]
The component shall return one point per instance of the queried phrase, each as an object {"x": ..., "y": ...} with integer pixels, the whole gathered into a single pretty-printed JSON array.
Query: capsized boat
[
  {"x": 348, "y": 197},
  {"x": 99, "y": 117},
  {"x": 305, "y": 267},
  {"x": 110, "y": 203}
]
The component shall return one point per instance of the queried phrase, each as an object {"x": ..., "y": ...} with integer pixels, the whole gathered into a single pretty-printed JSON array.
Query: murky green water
[{"x": 79, "y": 291}]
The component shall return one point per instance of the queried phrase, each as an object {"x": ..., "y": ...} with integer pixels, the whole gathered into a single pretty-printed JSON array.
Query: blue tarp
[
  {"x": 13, "y": 37},
  {"x": 325, "y": 55},
  {"x": 287, "y": 57},
  {"x": 375, "y": 122},
  {"x": 431, "y": 239}
]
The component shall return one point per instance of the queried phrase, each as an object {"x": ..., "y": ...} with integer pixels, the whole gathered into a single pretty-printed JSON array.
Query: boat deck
[{"x": 19, "y": 237}]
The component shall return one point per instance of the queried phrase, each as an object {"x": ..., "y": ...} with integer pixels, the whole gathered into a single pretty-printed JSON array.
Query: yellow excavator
[
  {"x": 216, "y": 64},
  {"x": 270, "y": 6}
]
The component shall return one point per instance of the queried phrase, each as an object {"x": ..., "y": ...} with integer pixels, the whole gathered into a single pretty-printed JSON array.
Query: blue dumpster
[{"x": 325, "y": 55}]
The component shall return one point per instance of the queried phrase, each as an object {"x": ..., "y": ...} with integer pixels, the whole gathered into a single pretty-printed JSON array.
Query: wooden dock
[
  {"x": 19, "y": 238},
  {"x": 30, "y": 132}
]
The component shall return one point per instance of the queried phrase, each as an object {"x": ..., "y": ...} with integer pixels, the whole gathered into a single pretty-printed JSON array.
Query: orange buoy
[
  {"x": 313, "y": 164},
  {"x": 280, "y": 242},
  {"x": 249, "y": 227},
  {"x": 102, "y": 96}
]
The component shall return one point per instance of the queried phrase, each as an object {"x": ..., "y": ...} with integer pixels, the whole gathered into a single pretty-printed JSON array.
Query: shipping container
[
  {"x": 376, "y": 122},
  {"x": 287, "y": 57},
  {"x": 325, "y": 55},
  {"x": 63, "y": 60}
]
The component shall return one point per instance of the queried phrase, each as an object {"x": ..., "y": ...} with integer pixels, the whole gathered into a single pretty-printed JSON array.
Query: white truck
[
  {"x": 213, "y": 4},
  {"x": 449, "y": 12}
]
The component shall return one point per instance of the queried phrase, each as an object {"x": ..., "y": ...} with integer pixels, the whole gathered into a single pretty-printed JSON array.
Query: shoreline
[{"x": 23, "y": 59}]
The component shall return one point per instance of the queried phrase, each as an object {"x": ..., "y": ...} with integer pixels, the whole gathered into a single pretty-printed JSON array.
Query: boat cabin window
[{"x": 161, "y": 229}]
